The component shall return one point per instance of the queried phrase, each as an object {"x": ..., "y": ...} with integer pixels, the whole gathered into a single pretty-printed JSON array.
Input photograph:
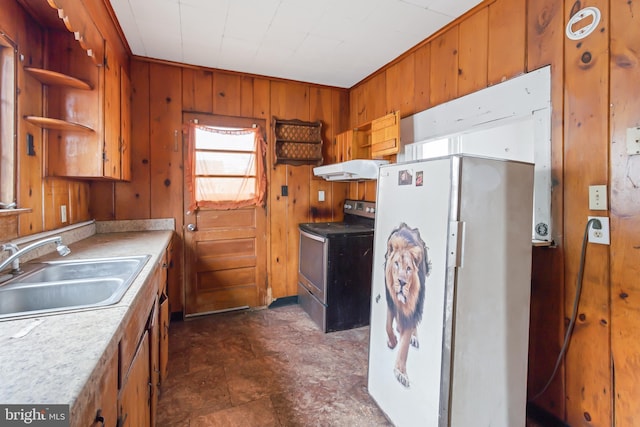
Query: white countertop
[{"x": 53, "y": 362}]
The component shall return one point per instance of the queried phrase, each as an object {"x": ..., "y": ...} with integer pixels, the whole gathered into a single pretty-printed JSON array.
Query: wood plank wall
[
  {"x": 595, "y": 98},
  {"x": 43, "y": 195},
  {"x": 162, "y": 92},
  {"x": 624, "y": 172}
]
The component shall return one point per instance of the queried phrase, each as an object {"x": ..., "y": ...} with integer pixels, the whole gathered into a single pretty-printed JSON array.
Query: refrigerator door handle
[{"x": 455, "y": 254}]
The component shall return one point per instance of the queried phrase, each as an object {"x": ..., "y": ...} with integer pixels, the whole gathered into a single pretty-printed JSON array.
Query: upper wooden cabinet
[
  {"x": 385, "y": 135},
  {"x": 86, "y": 106},
  {"x": 373, "y": 140}
]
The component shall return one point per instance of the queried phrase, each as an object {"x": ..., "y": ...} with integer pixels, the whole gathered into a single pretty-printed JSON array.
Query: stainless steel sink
[
  {"x": 69, "y": 285},
  {"x": 83, "y": 269}
]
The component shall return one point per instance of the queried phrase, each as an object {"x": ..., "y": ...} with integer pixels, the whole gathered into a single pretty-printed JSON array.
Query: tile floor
[{"x": 270, "y": 367}]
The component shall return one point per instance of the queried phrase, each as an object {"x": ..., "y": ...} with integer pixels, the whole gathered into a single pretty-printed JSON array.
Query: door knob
[{"x": 191, "y": 227}]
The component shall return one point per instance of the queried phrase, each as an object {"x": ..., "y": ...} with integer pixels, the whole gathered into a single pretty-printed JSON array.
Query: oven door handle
[{"x": 313, "y": 236}]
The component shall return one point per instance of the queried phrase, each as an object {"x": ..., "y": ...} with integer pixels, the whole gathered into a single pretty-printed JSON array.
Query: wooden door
[{"x": 225, "y": 250}]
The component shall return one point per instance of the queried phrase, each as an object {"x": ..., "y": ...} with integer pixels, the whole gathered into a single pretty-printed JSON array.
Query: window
[
  {"x": 226, "y": 167},
  {"x": 7, "y": 121}
]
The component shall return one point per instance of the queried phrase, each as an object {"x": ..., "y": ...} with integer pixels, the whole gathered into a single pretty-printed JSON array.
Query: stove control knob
[
  {"x": 372, "y": 210},
  {"x": 347, "y": 206}
]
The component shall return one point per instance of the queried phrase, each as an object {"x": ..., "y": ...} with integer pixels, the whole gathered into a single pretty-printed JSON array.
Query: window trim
[{"x": 224, "y": 122}]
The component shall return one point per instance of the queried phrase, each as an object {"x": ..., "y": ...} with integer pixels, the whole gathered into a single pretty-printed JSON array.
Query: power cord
[{"x": 567, "y": 336}]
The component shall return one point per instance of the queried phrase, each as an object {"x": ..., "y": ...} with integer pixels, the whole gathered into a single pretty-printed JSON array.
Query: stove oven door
[{"x": 312, "y": 276}]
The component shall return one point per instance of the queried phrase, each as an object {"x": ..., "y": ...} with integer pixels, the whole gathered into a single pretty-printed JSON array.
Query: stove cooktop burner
[{"x": 332, "y": 228}]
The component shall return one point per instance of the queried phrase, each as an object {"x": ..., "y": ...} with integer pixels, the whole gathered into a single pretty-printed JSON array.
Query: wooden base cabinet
[
  {"x": 102, "y": 406},
  {"x": 125, "y": 388},
  {"x": 134, "y": 404}
]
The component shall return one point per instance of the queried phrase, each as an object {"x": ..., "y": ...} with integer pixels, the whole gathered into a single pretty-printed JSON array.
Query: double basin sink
[{"x": 57, "y": 286}]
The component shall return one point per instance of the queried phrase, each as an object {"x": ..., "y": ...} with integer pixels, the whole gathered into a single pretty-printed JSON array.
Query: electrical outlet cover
[
  {"x": 600, "y": 236},
  {"x": 633, "y": 141}
]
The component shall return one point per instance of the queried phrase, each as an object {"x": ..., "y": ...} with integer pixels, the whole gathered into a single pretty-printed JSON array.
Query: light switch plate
[
  {"x": 320, "y": 195},
  {"x": 63, "y": 213},
  {"x": 598, "y": 197}
]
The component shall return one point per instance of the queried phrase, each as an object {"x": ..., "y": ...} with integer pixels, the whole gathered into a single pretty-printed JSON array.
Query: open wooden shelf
[
  {"x": 297, "y": 142},
  {"x": 53, "y": 78},
  {"x": 57, "y": 124}
]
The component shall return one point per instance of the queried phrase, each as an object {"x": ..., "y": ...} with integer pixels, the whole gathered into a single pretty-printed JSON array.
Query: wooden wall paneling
[
  {"x": 625, "y": 322},
  {"x": 288, "y": 101},
  {"x": 375, "y": 96},
  {"x": 56, "y": 194},
  {"x": 340, "y": 120},
  {"x": 133, "y": 199},
  {"x": 588, "y": 360},
  {"x": 30, "y": 173},
  {"x": 103, "y": 202},
  {"x": 507, "y": 39},
  {"x": 400, "y": 86},
  {"x": 246, "y": 96},
  {"x": 165, "y": 93},
  {"x": 339, "y": 193},
  {"x": 79, "y": 199},
  {"x": 30, "y": 168},
  {"x": 422, "y": 77},
  {"x": 165, "y": 155},
  {"x": 357, "y": 106},
  {"x": 625, "y": 211},
  {"x": 261, "y": 102},
  {"x": 197, "y": 90},
  {"x": 298, "y": 181},
  {"x": 321, "y": 108},
  {"x": 545, "y": 41},
  {"x": 356, "y": 191},
  {"x": 226, "y": 94},
  {"x": 278, "y": 224},
  {"x": 443, "y": 71},
  {"x": 473, "y": 52}
]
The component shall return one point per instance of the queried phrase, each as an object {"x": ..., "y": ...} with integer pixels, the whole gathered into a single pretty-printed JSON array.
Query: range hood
[{"x": 352, "y": 170}]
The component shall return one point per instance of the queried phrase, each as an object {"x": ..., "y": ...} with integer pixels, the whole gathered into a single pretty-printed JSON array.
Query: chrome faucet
[{"x": 14, "y": 258}]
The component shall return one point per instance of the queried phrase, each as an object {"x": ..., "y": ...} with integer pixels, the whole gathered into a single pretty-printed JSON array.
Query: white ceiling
[{"x": 331, "y": 42}]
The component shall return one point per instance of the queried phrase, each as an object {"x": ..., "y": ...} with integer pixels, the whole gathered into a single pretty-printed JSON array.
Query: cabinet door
[
  {"x": 164, "y": 337},
  {"x": 134, "y": 409},
  {"x": 385, "y": 135},
  {"x": 111, "y": 156},
  {"x": 102, "y": 409},
  {"x": 154, "y": 351},
  {"x": 344, "y": 146},
  {"x": 125, "y": 125}
]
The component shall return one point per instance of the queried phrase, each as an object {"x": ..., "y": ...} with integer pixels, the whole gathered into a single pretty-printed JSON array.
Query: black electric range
[{"x": 334, "y": 268}]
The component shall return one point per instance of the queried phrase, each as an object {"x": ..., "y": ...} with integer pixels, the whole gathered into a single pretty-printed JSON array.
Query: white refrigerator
[{"x": 450, "y": 295}]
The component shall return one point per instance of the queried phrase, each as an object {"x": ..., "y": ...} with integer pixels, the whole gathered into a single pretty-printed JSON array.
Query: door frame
[{"x": 223, "y": 121}]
